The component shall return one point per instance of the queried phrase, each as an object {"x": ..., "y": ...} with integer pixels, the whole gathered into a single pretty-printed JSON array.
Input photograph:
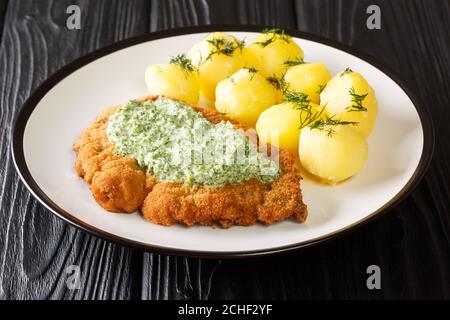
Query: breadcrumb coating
[{"x": 118, "y": 184}]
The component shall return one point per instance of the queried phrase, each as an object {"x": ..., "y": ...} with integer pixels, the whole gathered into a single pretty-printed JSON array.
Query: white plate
[{"x": 400, "y": 148}]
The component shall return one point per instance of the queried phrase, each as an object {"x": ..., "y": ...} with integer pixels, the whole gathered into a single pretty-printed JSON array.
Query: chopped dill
[
  {"x": 184, "y": 62},
  {"x": 311, "y": 118},
  {"x": 224, "y": 46},
  {"x": 320, "y": 89},
  {"x": 275, "y": 34},
  {"x": 252, "y": 71},
  {"x": 357, "y": 100},
  {"x": 346, "y": 71},
  {"x": 297, "y": 98},
  {"x": 302, "y": 103},
  {"x": 221, "y": 46},
  {"x": 307, "y": 116},
  {"x": 240, "y": 44},
  {"x": 329, "y": 123},
  {"x": 294, "y": 62},
  {"x": 278, "y": 83}
]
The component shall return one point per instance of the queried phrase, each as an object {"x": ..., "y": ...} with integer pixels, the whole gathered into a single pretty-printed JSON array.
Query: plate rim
[{"x": 21, "y": 120}]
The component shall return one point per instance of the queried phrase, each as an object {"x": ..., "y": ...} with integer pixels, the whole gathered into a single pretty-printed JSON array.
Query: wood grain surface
[{"x": 411, "y": 244}]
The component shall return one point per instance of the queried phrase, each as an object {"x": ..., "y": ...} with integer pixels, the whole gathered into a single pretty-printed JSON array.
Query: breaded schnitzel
[{"x": 119, "y": 184}]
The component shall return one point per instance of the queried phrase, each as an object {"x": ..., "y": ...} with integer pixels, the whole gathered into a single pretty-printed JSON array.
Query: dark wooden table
[{"x": 411, "y": 244}]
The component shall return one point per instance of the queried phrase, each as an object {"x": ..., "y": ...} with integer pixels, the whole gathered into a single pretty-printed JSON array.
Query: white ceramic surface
[{"x": 395, "y": 149}]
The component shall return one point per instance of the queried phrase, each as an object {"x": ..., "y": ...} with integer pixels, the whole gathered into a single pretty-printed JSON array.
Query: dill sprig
[
  {"x": 357, "y": 100},
  {"x": 307, "y": 116},
  {"x": 240, "y": 44},
  {"x": 278, "y": 83},
  {"x": 294, "y": 62},
  {"x": 329, "y": 123},
  {"x": 320, "y": 89},
  {"x": 252, "y": 71},
  {"x": 224, "y": 46},
  {"x": 346, "y": 71},
  {"x": 275, "y": 34},
  {"x": 278, "y": 32},
  {"x": 297, "y": 98},
  {"x": 221, "y": 46},
  {"x": 184, "y": 62},
  {"x": 302, "y": 103}
]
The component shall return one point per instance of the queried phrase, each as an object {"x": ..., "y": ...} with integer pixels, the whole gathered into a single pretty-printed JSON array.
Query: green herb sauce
[{"x": 175, "y": 143}]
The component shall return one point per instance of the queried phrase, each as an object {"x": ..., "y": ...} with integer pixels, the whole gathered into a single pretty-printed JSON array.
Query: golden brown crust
[{"x": 119, "y": 185}]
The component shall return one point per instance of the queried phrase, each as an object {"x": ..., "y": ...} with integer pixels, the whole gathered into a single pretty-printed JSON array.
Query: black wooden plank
[
  {"x": 180, "y": 13},
  {"x": 3, "y": 4},
  {"x": 35, "y": 246}
]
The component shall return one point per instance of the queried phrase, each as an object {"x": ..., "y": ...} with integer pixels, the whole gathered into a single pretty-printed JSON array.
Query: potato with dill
[
  {"x": 270, "y": 50},
  {"x": 216, "y": 57},
  {"x": 244, "y": 95},
  {"x": 281, "y": 124},
  {"x": 177, "y": 79},
  {"x": 332, "y": 150},
  {"x": 349, "y": 97},
  {"x": 309, "y": 78},
  {"x": 279, "y": 85}
]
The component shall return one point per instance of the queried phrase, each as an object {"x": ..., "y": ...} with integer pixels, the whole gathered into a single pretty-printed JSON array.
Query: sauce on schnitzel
[{"x": 175, "y": 143}]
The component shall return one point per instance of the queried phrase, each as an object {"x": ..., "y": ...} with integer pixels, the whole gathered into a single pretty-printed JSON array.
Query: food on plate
[
  {"x": 178, "y": 79},
  {"x": 280, "y": 87},
  {"x": 244, "y": 95},
  {"x": 332, "y": 152},
  {"x": 348, "y": 97},
  {"x": 205, "y": 102},
  {"x": 119, "y": 192},
  {"x": 309, "y": 78},
  {"x": 270, "y": 50},
  {"x": 144, "y": 155},
  {"x": 280, "y": 125},
  {"x": 216, "y": 57},
  {"x": 178, "y": 162}
]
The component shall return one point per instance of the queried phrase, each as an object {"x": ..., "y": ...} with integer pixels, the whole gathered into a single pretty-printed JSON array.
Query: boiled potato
[
  {"x": 308, "y": 78},
  {"x": 204, "y": 102},
  {"x": 280, "y": 125},
  {"x": 269, "y": 52},
  {"x": 216, "y": 57},
  {"x": 244, "y": 95},
  {"x": 171, "y": 80},
  {"x": 334, "y": 157},
  {"x": 349, "y": 97}
]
